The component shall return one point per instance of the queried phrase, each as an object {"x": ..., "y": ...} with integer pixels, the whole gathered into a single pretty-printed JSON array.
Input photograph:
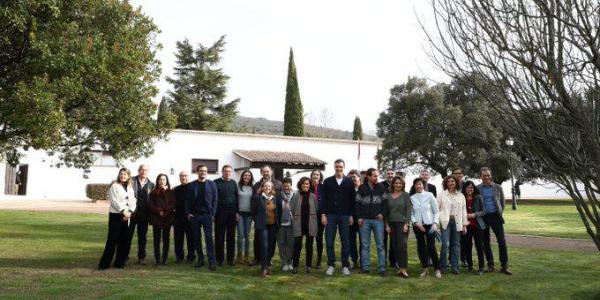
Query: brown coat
[
  {"x": 164, "y": 202},
  {"x": 296, "y": 208}
]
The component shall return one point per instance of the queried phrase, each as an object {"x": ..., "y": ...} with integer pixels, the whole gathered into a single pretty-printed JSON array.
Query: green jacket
[{"x": 397, "y": 210}]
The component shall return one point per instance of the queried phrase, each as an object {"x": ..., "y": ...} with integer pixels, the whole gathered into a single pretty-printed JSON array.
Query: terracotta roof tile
[{"x": 278, "y": 157}]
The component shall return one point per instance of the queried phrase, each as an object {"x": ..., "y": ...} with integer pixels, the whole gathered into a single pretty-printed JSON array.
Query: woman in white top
[
  {"x": 453, "y": 220},
  {"x": 122, "y": 205},
  {"x": 425, "y": 216}
]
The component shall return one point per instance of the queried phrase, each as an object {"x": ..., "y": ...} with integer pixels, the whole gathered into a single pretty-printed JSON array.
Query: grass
[
  {"x": 545, "y": 220},
  {"x": 54, "y": 255}
]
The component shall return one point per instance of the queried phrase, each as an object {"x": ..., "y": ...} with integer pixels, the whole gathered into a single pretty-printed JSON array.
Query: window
[
  {"x": 211, "y": 164},
  {"x": 104, "y": 159}
]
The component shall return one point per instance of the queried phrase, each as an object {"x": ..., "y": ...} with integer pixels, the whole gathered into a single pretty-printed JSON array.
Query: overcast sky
[{"x": 348, "y": 54}]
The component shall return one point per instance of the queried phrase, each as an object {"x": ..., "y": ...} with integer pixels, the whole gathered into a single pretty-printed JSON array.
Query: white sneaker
[
  {"x": 285, "y": 268},
  {"x": 345, "y": 271},
  {"x": 438, "y": 274},
  {"x": 290, "y": 267},
  {"x": 330, "y": 270}
]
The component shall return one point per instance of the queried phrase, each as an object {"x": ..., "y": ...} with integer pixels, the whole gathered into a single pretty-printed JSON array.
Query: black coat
[{"x": 259, "y": 212}]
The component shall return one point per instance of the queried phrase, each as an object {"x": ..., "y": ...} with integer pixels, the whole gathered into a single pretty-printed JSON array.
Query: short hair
[
  {"x": 370, "y": 171},
  {"x": 423, "y": 171},
  {"x": 266, "y": 166},
  {"x": 418, "y": 180},
  {"x": 484, "y": 169},
  {"x": 225, "y": 167},
  {"x": 143, "y": 165},
  {"x": 339, "y": 160},
  {"x": 400, "y": 174},
  {"x": 301, "y": 182},
  {"x": 287, "y": 180},
  {"x": 201, "y": 166},
  {"x": 354, "y": 172},
  {"x": 397, "y": 178},
  {"x": 445, "y": 181},
  {"x": 457, "y": 168}
]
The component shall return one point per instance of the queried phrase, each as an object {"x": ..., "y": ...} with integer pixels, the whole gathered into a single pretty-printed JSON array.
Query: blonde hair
[{"x": 262, "y": 186}]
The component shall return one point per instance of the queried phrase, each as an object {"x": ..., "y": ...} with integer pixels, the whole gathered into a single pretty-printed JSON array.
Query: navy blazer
[
  {"x": 259, "y": 212},
  {"x": 337, "y": 199},
  {"x": 211, "y": 196}
]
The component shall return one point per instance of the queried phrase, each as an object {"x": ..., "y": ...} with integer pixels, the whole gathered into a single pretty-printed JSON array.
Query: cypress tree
[
  {"x": 165, "y": 116},
  {"x": 357, "y": 133},
  {"x": 293, "y": 119}
]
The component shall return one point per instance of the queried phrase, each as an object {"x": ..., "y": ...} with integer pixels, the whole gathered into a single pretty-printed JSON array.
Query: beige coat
[
  {"x": 296, "y": 208},
  {"x": 121, "y": 200},
  {"x": 445, "y": 200}
]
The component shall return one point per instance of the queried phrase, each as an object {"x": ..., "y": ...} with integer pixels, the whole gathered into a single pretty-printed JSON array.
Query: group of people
[{"x": 355, "y": 205}]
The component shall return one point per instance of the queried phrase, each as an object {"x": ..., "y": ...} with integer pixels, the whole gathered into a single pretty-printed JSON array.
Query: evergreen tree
[
  {"x": 293, "y": 119},
  {"x": 357, "y": 133},
  {"x": 199, "y": 88},
  {"x": 165, "y": 116}
]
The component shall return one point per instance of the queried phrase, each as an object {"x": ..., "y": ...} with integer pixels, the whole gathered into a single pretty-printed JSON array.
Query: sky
[{"x": 348, "y": 54}]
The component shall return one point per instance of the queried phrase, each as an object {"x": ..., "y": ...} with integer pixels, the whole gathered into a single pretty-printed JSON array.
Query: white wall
[{"x": 46, "y": 182}]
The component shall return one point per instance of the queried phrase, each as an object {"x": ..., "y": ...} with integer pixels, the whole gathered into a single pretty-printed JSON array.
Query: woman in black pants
[
  {"x": 425, "y": 216},
  {"x": 475, "y": 212},
  {"x": 265, "y": 213},
  {"x": 304, "y": 211},
  {"x": 316, "y": 182},
  {"x": 122, "y": 205},
  {"x": 162, "y": 206}
]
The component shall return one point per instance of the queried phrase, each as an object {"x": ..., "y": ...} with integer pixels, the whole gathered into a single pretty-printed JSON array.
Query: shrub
[{"x": 97, "y": 191}]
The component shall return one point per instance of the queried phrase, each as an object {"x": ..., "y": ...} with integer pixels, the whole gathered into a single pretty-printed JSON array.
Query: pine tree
[
  {"x": 199, "y": 88},
  {"x": 165, "y": 116},
  {"x": 293, "y": 120},
  {"x": 357, "y": 133}
]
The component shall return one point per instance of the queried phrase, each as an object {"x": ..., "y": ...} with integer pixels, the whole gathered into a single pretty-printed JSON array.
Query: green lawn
[
  {"x": 545, "y": 220},
  {"x": 54, "y": 255}
]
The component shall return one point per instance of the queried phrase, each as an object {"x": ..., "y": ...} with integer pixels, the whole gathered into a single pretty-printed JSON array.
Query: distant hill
[{"x": 264, "y": 126}]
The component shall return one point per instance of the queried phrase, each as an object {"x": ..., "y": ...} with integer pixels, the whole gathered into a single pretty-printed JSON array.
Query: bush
[{"x": 97, "y": 191}]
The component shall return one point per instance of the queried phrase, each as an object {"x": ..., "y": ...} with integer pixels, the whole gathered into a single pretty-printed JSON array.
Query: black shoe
[
  {"x": 253, "y": 263},
  {"x": 363, "y": 271},
  {"x": 220, "y": 263},
  {"x": 212, "y": 267},
  {"x": 382, "y": 273},
  {"x": 295, "y": 271},
  {"x": 480, "y": 272},
  {"x": 505, "y": 271},
  {"x": 318, "y": 265},
  {"x": 178, "y": 260},
  {"x": 190, "y": 260},
  {"x": 307, "y": 269},
  {"x": 164, "y": 262},
  {"x": 230, "y": 263},
  {"x": 199, "y": 264},
  {"x": 491, "y": 269},
  {"x": 455, "y": 272},
  {"x": 141, "y": 261},
  {"x": 464, "y": 264},
  {"x": 157, "y": 263}
]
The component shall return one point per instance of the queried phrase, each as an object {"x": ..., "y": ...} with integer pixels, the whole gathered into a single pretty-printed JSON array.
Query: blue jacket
[
  {"x": 211, "y": 196},
  {"x": 338, "y": 199}
]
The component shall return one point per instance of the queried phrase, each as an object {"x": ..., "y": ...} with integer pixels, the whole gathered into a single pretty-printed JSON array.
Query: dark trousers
[
  {"x": 426, "y": 247},
  {"x": 354, "y": 245},
  {"x": 142, "y": 231},
  {"x": 118, "y": 240},
  {"x": 319, "y": 238},
  {"x": 159, "y": 232},
  {"x": 183, "y": 230},
  {"x": 388, "y": 249},
  {"x": 473, "y": 234},
  {"x": 494, "y": 222},
  {"x": 298, "y": 249},
  {"x": 256, "y": 246},
  {"x": 267, "y": 241},
  {"x": 335, "y": 222},
  {"x": 203, "y": 222},
  {"x": 463, "y": 244},
  {"x": 398, "y": 244},
  {"x": 225, "y": 224}
]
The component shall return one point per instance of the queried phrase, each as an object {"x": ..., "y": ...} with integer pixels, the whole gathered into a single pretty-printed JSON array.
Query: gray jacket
[
  {"x": 296, "y": 207},
  {"x": 498, "y": 197}
]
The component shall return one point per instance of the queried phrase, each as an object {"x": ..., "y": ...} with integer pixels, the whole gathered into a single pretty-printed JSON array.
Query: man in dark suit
[
  {"x": 181, "y": 226},
  {"x": 142, "y": 186},
  {"x": 201, "y": 208},
  {"x": 424, "y": 175}
]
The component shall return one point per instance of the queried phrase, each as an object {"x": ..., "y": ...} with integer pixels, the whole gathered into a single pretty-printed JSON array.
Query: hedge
[{"x": 97, "y": 191}]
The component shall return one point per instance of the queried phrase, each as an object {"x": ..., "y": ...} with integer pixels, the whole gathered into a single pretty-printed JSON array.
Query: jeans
[
  {"x": 354, "y": 246},
  {"x": 494, "y": 222},
  {"x": 205, "y": 222},
  {"x": 285, "y": 240},
  {"x": 378, "y": 228},
  {"x": 268, "y": 238},
  {"x": 426, "y": 247},
  {"x": 474, "y": 234},
  {"x": 298, "y": 250},
  {"x": 333, "y": 223},
  {"x": 398, "y": 244},
  {"x": 450, "y": 239},
  {"x": 225, "y": 234},
  {"x": 158, "y": 233},
  {"x": 243, "y": 228},
  {"x": 118, "y": 240},
  {"x": 182, "y": 230}
]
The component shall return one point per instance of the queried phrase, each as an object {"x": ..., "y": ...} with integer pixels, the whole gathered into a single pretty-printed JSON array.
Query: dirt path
[{"x": 101, "y": 207}]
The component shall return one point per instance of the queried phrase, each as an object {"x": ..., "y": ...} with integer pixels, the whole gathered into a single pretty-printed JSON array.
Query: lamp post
[{"x": 510, "y": 142}]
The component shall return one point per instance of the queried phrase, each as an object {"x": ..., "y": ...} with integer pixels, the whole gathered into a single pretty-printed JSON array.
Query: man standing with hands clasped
[
  {"x": 201, "y": 208},
  {"x": 338, "y": 208}
]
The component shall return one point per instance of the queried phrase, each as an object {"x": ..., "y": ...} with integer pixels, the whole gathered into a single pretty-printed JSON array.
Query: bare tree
[{"x": 544, "y": 56}]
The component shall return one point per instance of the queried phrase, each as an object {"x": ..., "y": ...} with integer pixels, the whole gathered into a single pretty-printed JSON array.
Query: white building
[{"x": 183, "y": 150}]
